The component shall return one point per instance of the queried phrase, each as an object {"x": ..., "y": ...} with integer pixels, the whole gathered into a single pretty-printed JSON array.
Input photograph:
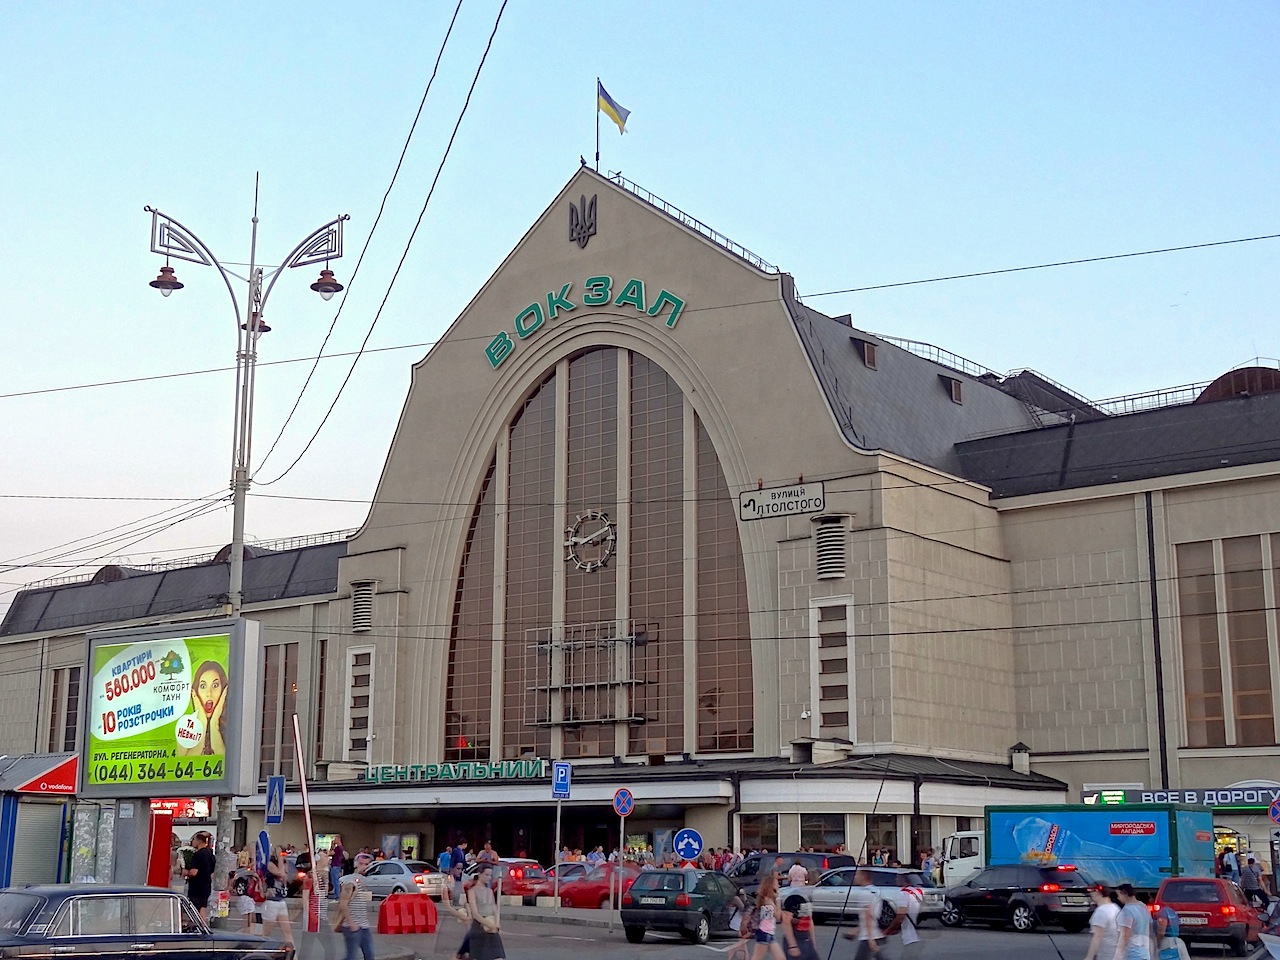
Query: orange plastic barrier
[{"x": 407, "y": 913}]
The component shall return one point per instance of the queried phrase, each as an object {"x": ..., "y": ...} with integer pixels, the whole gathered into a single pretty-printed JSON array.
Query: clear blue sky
[{"x": 850, "y": 143}]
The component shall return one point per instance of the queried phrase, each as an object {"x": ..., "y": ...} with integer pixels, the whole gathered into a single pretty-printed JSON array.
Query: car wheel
[
  {"x": 396, "y": 890},
  {"x": 1022, "y": 918},
  {"x": 702, "y": 932},
  {"x": 1239, "y": 946},
  {"x": 634, "y": 934},
  {"x": 951, "y": 915}
]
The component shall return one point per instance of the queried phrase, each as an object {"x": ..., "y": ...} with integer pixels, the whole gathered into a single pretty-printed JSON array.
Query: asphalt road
[{"x": 556, "y": 941}]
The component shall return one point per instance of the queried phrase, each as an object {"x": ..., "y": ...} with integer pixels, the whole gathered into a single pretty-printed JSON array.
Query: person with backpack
[
  {"x": 245, "y": 883},
  {"x": 275, "y": 906},
  {"x": 797, "y": 928},
  {"x": 767, "y": 911}
]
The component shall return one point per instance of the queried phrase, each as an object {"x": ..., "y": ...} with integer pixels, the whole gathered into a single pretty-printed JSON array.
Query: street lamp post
[{"x": 172, "y": 240}]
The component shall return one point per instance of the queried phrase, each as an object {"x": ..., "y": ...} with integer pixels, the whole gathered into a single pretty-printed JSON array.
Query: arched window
[{"x": 608, "y": 470}]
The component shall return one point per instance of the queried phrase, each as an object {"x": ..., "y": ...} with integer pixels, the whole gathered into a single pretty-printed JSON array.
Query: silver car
[
  {"x": 836, "y": 894},
  {"x": 385, "y": 877}
]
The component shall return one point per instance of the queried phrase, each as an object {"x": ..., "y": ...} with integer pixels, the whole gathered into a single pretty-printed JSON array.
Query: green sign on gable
[{"x": 598, "y": 292}]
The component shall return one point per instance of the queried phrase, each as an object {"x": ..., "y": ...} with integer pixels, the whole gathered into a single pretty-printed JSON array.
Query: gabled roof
[{"x": 271, "y": 575}]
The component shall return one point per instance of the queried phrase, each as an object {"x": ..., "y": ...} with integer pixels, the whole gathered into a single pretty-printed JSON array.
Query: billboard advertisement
[
  {"x": 1137, "y": 846},
  {"x": 170, "y": 709}
]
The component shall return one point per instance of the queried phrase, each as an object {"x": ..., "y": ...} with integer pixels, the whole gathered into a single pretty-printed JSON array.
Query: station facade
[{"x": 792, "y": 583}]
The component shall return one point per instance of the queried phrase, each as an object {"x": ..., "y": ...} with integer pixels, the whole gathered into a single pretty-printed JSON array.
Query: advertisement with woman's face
[{"x": 163, "y": 709}]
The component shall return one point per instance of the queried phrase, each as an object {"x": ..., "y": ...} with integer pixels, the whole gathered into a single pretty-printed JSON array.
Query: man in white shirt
[
  {"x": 907, "y": 903},
  {"x": 869, "y": 935}
]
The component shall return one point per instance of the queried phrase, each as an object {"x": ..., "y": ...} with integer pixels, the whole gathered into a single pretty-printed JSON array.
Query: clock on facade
[{"x": 591, "y": 540}]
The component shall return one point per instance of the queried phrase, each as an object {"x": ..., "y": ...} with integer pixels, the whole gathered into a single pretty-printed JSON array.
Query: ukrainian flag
[{"x": 612, "y": 109}]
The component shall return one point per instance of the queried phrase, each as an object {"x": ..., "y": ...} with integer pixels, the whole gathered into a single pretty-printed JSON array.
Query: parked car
[
  {"x": 519, "y": 878},
  {"x": 297, "y": 868},
  {"x": 697, "y": 903},
  {"x": 385, "y": 877},
  {"x": 1211, "y": 910},
  {"x": 101, "y": 920},
  {"x": 836, "y": 895},
  {"x": 502, "y": 866},
  {"x": 1023, "y": 896},
  {"x": 748, "y": 874},
  {"x": 568, "y": 870},
  {"x": 593, "y": 889}
]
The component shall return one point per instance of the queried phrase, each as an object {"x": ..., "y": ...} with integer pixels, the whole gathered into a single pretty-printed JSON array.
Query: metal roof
[
  {"x": 273, "y": 575},
  {"x": 1137, "y": 446}
]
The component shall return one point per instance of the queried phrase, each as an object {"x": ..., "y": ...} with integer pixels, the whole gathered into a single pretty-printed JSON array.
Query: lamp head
[
  {"x": 326, "y": 286},
  {"x": 167, "y": 281}
]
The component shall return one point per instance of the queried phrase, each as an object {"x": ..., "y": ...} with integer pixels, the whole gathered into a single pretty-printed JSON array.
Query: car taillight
[
  {"x": 1066, "y": 866},
  {"x": 420, "y": 879},
  {"x": 825, "y": 861},
  {"x": 1155, "y": 908},
  {"x": 518, "y": 873},
  {"x": 626, "y": 900},
  {"x": 682, "y": 900},
  {"x": 1049, "y": 888},
  {"x": 1227, "y": 909}
]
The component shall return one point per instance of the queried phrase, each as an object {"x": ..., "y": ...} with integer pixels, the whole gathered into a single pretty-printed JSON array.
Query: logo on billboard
[{"x": 1133, "y": 828}]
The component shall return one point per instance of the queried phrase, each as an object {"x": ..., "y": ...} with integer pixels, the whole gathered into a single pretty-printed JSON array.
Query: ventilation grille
[
  {"x": 362, "y": 606},
  {"x": 830, "y": 545}
]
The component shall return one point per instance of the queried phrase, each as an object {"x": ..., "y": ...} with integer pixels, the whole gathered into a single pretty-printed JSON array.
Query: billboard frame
[{"x": 241, "y": 712}]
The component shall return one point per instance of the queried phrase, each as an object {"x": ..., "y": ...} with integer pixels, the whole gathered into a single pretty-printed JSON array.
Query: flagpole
[{"x": 597, "y": 124}]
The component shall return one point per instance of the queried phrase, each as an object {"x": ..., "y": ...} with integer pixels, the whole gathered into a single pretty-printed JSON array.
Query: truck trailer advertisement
[{"x": 1137, "y": 844}]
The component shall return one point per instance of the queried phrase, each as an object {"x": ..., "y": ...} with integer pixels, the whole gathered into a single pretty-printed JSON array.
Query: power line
[
  {"x": 1044, "y": 266},
  {"x": 688, "y": 309},
  {"x": 368, "y": 240},
  {"x": 403, "y": 256}
]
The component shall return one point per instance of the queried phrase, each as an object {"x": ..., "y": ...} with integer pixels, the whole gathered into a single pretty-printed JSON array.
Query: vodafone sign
[{"x": 60, "y": 778}]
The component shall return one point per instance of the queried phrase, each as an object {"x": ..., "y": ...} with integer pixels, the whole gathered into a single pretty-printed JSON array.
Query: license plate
[
  {"x": 1073, "y": 901},
  {"x": 652, "y": 901},
  {"x": 1193, "y": 921}
]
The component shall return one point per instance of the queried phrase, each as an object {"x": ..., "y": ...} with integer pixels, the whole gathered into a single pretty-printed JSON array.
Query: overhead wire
[
  {"x": 690, "y": 308},
  {"x": 404, "y": 255},
  {"x": 368, "y": 239}
]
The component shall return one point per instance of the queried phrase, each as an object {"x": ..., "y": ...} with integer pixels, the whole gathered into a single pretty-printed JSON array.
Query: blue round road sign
[
  {"x": 1274, "y": 812},
  {"x": 687, "y": 844},
  {"x": 623, "y": 802}
]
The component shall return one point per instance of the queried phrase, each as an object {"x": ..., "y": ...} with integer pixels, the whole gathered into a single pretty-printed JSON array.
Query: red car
[
  {"x": 593, "y": 889},
  {"x": 1211, "y": 910},
  {"x": 519, "y": 879}
]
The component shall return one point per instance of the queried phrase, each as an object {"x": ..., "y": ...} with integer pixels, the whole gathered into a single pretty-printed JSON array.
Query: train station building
[{"x": 791, "y": 582}]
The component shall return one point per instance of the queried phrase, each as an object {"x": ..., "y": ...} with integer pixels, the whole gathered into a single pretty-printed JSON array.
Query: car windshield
[{"x": 15, "y": 908}]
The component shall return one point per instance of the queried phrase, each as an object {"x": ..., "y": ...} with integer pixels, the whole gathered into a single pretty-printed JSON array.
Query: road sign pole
[{"x": 555, "y": 856}]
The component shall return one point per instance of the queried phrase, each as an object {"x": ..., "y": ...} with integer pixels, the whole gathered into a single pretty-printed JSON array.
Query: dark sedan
[
  {"x": 1023, "y": 896},
  {"x": 97, "y": 920},
  {"x": 697, "y": 903}
]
